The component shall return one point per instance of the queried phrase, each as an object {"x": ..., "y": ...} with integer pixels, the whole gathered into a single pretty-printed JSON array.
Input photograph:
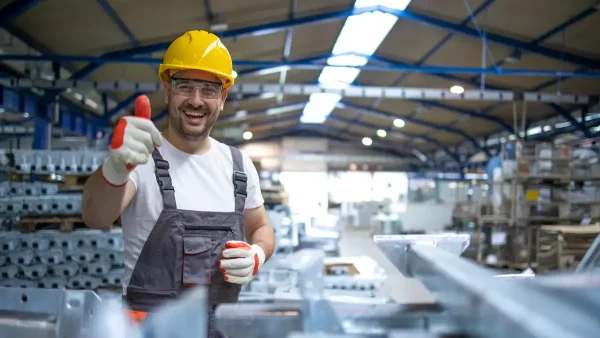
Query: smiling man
[{"x": 191, "y": 207}]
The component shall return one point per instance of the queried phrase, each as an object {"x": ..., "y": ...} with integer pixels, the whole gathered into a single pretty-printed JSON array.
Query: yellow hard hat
[{"x": 198, "y": 49}]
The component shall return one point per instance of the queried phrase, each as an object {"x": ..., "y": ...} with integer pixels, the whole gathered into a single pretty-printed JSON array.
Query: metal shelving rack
[{"x": 540, "y": 183}]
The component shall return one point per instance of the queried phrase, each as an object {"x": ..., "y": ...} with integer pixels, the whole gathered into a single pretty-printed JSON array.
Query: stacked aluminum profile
[
  {"x": 57, "y": 162},
  {"x": 18, "y": 199},
  {"x": 83, "y": 259}
]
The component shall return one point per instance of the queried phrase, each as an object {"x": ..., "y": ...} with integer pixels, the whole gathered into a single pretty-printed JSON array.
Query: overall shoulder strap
[
  {"x": 165, "y": 184},
  {"x": 240, "y": 180}
]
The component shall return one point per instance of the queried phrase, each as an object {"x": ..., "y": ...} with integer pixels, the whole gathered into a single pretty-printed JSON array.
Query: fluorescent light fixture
[
  {"x": 319, "y": 106},
  {"x": 399, "y": 123},
  {"x": 562, "y": 125},
  {"x": 533, "y": 131},
  {"x": 457, "y": 89},
  {"x": 367, "y": 141},
  {"x": 312, "y": 119},
  {"x": 241, "y": 113},
  {"x": 381, "y": 133},
  {"x": 247, "y": 135},
  {"x": 361, "y": 34},
  {"x": 547, "y": 128}
]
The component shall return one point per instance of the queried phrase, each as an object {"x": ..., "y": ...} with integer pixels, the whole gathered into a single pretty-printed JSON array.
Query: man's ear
[
  {"x": 223, "y": 98},
  {"x": 166, "y": 90}
]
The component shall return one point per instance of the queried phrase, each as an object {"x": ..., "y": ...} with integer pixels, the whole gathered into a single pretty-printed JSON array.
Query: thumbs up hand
[{"x": 133, "y": 141}]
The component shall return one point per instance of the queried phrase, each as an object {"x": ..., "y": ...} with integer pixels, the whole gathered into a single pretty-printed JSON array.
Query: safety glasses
[{"x": 186, "y": 87}]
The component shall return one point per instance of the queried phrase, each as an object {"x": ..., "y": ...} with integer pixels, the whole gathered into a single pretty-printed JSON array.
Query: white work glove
[
  {"x": 133, "y": 141},
  {"x": 241, "y": 262}
]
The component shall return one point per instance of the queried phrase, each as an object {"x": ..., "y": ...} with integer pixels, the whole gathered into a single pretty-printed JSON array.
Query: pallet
[{"x": 65, "y": 224}]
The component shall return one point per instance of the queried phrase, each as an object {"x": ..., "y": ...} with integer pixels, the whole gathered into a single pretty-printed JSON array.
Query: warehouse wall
[{"x": 429, "y": 216}]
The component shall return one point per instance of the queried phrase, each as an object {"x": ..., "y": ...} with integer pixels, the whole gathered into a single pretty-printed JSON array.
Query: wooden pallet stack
[{"x": 572, "y": 242}]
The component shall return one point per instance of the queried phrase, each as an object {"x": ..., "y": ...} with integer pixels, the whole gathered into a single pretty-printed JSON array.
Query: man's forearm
[
  {"x": 265, "y": 238},
  {"x": 102, "y": 204}
]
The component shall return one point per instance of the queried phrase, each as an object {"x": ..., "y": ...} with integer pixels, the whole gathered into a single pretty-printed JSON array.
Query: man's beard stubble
[{"x": 175, "y": 120}]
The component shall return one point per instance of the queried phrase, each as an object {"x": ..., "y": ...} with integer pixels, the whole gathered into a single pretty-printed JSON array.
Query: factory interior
[{"x": 426, "y": 168}]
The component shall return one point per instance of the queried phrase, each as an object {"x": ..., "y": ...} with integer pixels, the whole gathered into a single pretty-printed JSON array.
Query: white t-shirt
[{"x": 201, "y": 182}]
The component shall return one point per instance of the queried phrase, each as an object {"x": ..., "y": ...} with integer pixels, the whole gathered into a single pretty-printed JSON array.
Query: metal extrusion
[
  {"x": 591, "y": 260},
  {"x": 47, "y": 313},
  {"x": 495, "y": 307}
]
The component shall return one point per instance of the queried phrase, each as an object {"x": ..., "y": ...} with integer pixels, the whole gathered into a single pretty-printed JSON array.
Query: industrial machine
[{"x": 471, "y": 301}]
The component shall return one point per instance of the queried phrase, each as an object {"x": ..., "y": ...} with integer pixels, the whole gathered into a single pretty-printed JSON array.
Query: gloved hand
[
  {"x": 241, "y": 261},
  {"x": 133, "y": 141}
]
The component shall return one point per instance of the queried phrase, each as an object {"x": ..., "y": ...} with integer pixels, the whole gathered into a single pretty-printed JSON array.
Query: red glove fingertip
[
  {"x": 142, "y": 107},
  {"x": 237, "y": 245}
]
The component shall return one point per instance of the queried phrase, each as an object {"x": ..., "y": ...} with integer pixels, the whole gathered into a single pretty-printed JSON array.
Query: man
[{"x": 191, "y": 207}]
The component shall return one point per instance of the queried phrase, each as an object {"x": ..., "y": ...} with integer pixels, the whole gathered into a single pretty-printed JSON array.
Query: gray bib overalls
[{"x": 184, "y": 247}]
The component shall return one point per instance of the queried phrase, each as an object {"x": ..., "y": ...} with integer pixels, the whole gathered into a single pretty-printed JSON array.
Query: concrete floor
[{"x": 401, "y": 289}]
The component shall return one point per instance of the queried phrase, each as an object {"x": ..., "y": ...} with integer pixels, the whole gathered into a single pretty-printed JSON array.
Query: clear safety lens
[{"x": 208, "y": 90}]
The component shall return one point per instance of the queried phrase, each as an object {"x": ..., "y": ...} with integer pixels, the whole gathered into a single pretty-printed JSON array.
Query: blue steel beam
[
  {"x": 440, "y": 44},
  {"x": 314, "y": 131},
  {"x": 71, "y": 117},
  {"x": 561, "y": 27},
  {"x": 390, "y": 67},
  {"x": 236, "y": 33},
  {"x": 210, "y": 17},
  {"x": 332, "y": 117},
  {"x": 114, "y": 16},
  {"x": 160, "y": 115},
  {"x": 436, "y": 126},
  {"x": 567, "y": 116},
  {"x": 18, "y": 33},
  {"x": 287, "y": 47},
  {"x": 269, "y": 70},
  {"x": 273, "y": 111},
  {"x": 121, "y": 105},
  {"x": 432, "y": 141},
  {"x": 257, "y": 30},
  {"x": 332, "y": 133},
  {"x": 15, "y": 9},
  {"x": 467, "y": 112},
  {"x": 338, "y": 15},
  {"x": 497, "y": 38},
  {"x": 584, "y": 14},
  {"x": 332, "y": 16}
]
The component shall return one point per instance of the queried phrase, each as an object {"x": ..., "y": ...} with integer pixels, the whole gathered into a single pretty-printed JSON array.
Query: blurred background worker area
[{"x": 285, "y": 168}]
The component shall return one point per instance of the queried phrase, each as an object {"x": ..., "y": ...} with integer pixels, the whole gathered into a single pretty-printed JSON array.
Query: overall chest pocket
[{"x": 197, "y": 259}]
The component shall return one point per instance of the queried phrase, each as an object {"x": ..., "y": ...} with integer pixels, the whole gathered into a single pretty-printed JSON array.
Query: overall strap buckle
[
  {"x": 240, "y": 184},
  {"x": 161, "y": 171}
]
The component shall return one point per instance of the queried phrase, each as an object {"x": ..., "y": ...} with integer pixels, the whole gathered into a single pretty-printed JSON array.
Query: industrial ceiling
[{"x": 504, "y": 46}]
